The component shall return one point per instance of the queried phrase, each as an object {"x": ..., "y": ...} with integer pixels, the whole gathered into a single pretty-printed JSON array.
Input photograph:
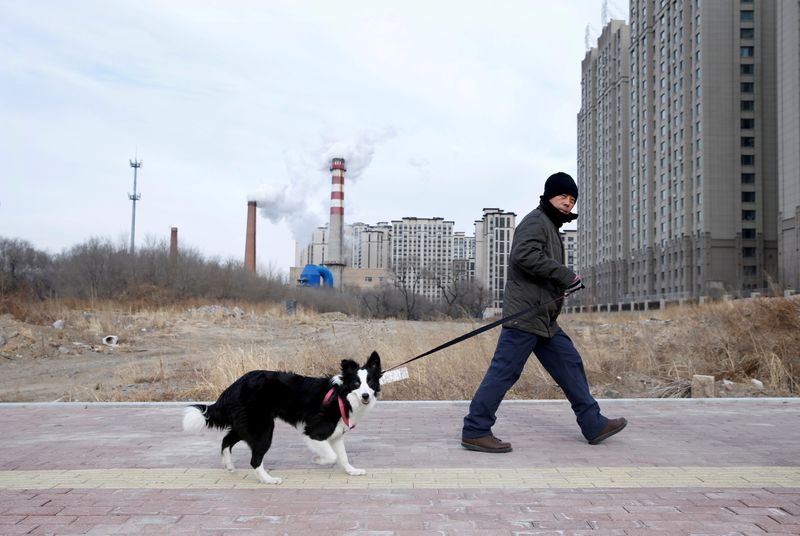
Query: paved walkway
[{"x": 714, "y": 466}]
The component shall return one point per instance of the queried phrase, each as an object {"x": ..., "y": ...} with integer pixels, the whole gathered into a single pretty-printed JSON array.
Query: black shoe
[
  {"x": 487, "y": 443},
  {"x": 613, "y": 426}
]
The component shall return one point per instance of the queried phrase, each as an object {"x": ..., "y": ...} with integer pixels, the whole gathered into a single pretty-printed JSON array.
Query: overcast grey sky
[{"x": 441, "y": 107}]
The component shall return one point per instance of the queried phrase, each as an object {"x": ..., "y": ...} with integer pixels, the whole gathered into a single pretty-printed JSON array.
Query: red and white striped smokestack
[
  {"x": 250, "y": 238},
  {"x": 335, "y": 260}
]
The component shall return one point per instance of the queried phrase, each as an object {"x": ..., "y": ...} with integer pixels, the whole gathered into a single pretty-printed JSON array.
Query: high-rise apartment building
[
  {"x": 369, "y": 246},
  {"x": 493, "y": 235},
  {"x": 569, "y": 237},
  {"x": 313, "y": 252},
  {"x": 603, "y": 161},
  {"x": 788, "y": 44},
  {"x": 422, "y": 255},
  {"x": 463, "y": 256},
  {"x": 701, "y": 172}
]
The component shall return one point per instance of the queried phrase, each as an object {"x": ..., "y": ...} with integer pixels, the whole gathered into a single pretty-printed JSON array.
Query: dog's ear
[
  {"x": 349, "y": 366},
  {"x": 374, "y": 361}
]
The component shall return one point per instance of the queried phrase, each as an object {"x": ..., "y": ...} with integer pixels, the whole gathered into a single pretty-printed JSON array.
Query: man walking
[{"x": 537, "y": 276}]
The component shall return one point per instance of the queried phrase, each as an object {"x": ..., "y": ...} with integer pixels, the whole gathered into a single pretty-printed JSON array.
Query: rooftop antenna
[{"x": 135, "y": 164}]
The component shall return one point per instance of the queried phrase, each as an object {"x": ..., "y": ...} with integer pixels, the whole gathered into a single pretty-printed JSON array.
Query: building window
[
  {"x": 748, "y": 106},
  {"x": 746, "y": 33},
  {"x": 748, "y": 141},
  {"x": 748, "y": 197},
  {"x": 748, "y": 178},
  {"x": 747, "y": 68},
  {"x": 749, "y": 270},
  {"x": 749, "y": 215},
  {"x": 747, "y": 124},
  {"x": 746, "y": 16},
  {"x": 746, "y": 52},
  {"x": 748, "y": 160},
  {"x": 748, "y": 252},
  {"x": 749, "y": 234},
  {"x": 746, "y": 87}
]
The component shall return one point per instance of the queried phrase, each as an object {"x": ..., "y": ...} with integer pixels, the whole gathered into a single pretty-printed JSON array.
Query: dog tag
[{"x": 394, "y": 375}]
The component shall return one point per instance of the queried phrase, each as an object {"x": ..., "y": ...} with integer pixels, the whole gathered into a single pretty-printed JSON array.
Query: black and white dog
[{"x": 323, "y": 409}]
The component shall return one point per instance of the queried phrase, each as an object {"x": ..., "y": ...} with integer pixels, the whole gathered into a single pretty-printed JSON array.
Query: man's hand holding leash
[{"x": 575, "y": 286}]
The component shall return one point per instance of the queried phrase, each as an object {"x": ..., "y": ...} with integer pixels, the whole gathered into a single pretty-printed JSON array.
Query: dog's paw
[
  {"x": 353, "y": 471},
  {"x": 319, "y": 460},
  {"x": 265, "y": 478},
  {"x": 227, "y": 463}
]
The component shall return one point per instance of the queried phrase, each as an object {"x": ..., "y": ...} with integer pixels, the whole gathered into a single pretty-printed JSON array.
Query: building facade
[
  {"x": 701, "y": 171},
  {"x": 369, "y": 246},
  {"x": 314, "y": 252},
  {"x": 603, "y": 161},
  {"x": 569, "y": 237},
  {"x": 463, "y": 256},
  {"x": 788, "y": 37},
  {"x": 493, "y": 235},
  {"x": 422, "y": 255}
]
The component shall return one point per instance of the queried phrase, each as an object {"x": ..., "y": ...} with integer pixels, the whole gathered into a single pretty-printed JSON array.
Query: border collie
[{"x": 323, "y": 409}]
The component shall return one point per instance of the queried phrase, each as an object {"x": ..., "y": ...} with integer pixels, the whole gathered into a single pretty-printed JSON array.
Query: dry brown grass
[
  {"x": 659, "y": 351},
  {"x": 451, "y": 374},
  {"x": 736, "y": 340}
]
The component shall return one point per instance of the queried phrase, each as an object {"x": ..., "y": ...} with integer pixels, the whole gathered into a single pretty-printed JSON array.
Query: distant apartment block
[
  {"x": 690, "y": 208},
  {"x": 493, "y": 235},
  {"x": 369, "y": 245},
  {"x": 463, "y": 256},
  {"x": 422, "y": 255},
  {"x": 604, "y": 138},
  {"x": 569, "y": 237},
  {"x": 788, "y": 69},
  {"x": 366, "y": 254},
  {"x": 314, "y": 251}
]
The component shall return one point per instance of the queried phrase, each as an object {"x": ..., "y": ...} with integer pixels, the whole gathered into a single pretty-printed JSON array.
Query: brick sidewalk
[{"x": 714, "y": 466}]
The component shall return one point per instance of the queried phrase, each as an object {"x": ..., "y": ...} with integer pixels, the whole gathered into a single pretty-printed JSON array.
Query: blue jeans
[{"x": 560, "y": 359}]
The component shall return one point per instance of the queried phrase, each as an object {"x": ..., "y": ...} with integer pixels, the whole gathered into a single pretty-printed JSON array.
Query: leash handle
[{"x": 483, "y": 328}]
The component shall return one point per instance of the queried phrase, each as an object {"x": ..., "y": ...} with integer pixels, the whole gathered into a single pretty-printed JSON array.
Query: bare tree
[
  {"x": 383, "y": 301},
  {"x": 94, "y": 269},
  {"x": 23, "y": 267},
  {"x": 406, "y": 279},
  {"x": 460, "y": 295}
]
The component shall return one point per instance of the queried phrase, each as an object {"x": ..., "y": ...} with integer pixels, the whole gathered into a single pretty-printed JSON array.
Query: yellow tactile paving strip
[{"x": 436, "y": 478}]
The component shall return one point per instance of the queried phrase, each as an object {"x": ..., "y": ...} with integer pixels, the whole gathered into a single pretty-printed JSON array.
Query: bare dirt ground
[{"x": 166, "y": 355}]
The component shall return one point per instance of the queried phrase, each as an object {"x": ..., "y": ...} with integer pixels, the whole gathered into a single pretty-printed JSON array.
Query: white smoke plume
[
  {"x": 357, "y": 151},
  {"x": 304, "y": 202}
]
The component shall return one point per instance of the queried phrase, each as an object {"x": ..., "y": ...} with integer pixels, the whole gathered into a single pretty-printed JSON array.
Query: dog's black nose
[{"x": 365, "y": 396}]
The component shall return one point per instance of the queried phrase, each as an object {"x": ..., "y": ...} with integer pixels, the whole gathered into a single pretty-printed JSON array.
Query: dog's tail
[
  {"x": 194, "y": 418},
  {"x": 198, "y": 417}
]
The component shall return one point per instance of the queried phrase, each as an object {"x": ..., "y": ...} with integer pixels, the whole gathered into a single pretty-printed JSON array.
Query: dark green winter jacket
[{"x": 536, "y": 275}]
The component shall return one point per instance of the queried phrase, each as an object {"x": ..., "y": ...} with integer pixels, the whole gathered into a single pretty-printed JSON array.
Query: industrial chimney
[
  {"x": 250, "y": 238},
  {"x": 335, "y": 258},
  {"x": 173, "y": 243}
]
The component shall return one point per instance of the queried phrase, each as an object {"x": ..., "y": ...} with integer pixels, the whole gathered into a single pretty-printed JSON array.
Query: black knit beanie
[{"x": 559, "y": 183}]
